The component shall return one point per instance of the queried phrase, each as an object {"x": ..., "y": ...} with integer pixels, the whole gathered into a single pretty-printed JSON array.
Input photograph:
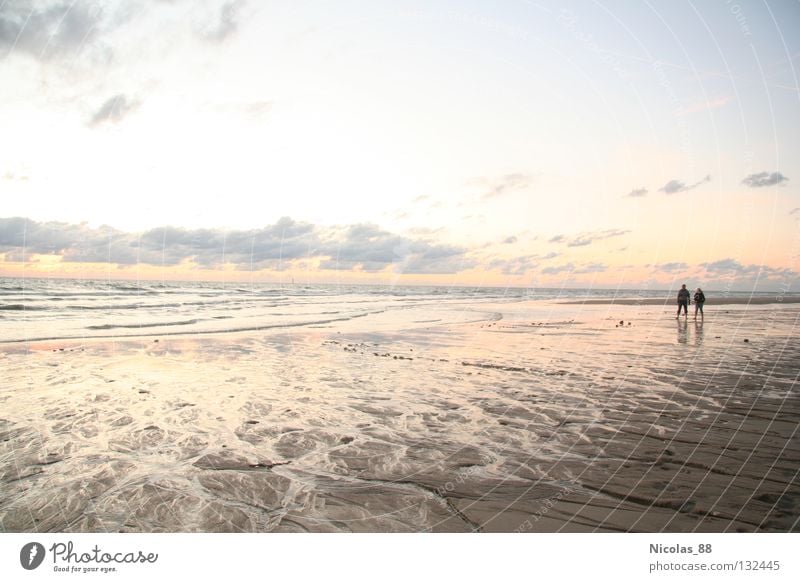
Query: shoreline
[{"x": 169, "y": 332}]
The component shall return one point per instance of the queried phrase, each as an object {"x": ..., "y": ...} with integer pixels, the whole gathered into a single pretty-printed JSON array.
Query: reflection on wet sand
[
  {"x": 698, "y": 332},
  {"x": 521, "y": 417},
  {"x": 683, "y": 331}
]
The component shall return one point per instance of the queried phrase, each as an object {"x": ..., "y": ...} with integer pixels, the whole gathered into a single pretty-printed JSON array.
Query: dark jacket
[
  {"x": 683, "y": 295},
  {"x": 699, "y": 297}
]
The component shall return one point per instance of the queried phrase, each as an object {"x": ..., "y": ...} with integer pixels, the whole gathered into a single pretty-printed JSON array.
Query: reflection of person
[
  {"x": 683, "y": 301},
  {"x": 683, "y": 331},
  {"x": 699, "y": 299},
  {"x": 698, "y": 332}
]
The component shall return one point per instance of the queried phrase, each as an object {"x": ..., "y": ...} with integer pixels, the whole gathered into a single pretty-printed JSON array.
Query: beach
[
  {"x": 413, "y": 411},
  {"x": 765, "y": 299}
]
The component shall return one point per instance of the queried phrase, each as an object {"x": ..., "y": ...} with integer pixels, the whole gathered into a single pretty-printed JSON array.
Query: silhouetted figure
[
  {"x": 699, "y": 299},
  {"x": 683, "y": 301}
]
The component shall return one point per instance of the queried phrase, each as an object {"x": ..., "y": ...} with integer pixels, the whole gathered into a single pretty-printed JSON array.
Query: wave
[
  {"x": 20, "y": 307},
  {"x": 128, "y": 288},
  {"x": 184, "y": 333},
  {"x": 141, "y": 325},
  {"x": 107, "y": 306},
  {"x": 496, "y": 367},
  {"x": 52, "y": 294}
]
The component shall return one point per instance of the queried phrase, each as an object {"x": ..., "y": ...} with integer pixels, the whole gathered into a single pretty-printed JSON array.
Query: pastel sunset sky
[{"x": 583, "y": 144}]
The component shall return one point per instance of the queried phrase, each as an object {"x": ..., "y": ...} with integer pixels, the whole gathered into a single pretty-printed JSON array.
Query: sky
[{"x": 533, "y": 144}]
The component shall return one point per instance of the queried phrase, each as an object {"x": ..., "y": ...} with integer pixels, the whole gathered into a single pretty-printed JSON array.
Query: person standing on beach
[
  {"x": 683, "y": 301},
  {"x": 699, "y": 299}
]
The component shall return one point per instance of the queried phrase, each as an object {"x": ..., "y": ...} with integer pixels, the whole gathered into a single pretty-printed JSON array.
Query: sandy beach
[
  {"x": 776, "y": 299},
  {"x": 525, "y": 416}
]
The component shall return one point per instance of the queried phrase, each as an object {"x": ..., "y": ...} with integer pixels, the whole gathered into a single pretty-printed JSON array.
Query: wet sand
[
  {"x": 515, "y": 417},
  {"x": 777, "y": 299}
]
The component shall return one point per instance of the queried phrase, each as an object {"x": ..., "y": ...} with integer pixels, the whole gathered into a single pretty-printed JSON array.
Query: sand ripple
[{"x": 516, "y": 422}]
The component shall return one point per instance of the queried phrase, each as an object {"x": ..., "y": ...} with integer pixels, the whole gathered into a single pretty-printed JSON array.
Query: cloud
[
  {"x": 636, "y": 193},
  {"x": 504, "y": 185},
  {"x": 510, "y": 240},
  {"x": 580, "y": 242},
  {"x": 370, "y": 248},
  {"x": 46, "y": 29},
  {"x": 74, "y": 242},
  {"x": 268, "y": 247},
  {"x": 519, "y": 265},
  {"x": 591, "y": 268},
  {"x": 228, "y": 22},
  {"x": 586, "y": 238},
  {"x": 259, "y": 248},
  {"x": 11, "y": 176},
  {"x": 794, "y": 211},
  {"x": 707, "y": 105},
  {"x": 365, "y": 246},
  {"x": 113, "y": 110},
  {"x": 49, "y": 30},
  {"x": 572, "y": 269},
  {"x": 732, "y": 267},
  {"x": 763, "y": 179},
  {"x": 425, "y": 230},
  {"x": 749, "y": 275},
  {"x": 674, "y": 266},
  {"x": 675, "y": 186},
  {"x": 251, "y": 110},
  {"x": 360, "y": 246},
  {"x": 705, "y": 179},
  {"x": 256, "y": 108},
  {"x": 558, "y": 269},
  {"x": 723, "y": 266},
  {"x": 432, "y": 259},
  {"x": 423, "y": 202},
  {"x": 515, "y": 266}
]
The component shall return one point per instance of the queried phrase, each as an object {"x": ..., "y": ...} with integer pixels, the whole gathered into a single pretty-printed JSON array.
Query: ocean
[{"x": 58, "y": 309}]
